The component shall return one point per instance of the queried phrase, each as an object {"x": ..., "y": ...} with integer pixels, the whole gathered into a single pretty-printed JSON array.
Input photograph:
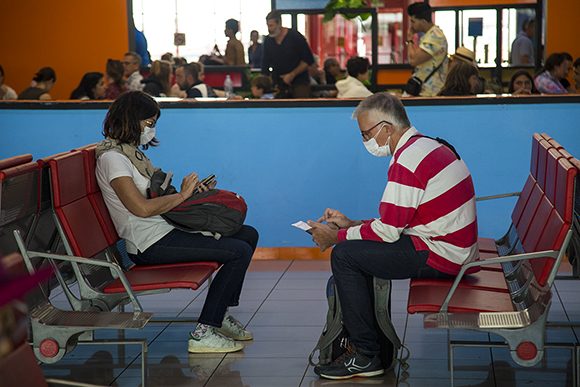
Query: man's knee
[{"x": 340, "y": 256}]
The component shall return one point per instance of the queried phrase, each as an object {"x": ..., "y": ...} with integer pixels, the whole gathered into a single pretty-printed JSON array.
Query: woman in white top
[{"x": 131, "y": 122}]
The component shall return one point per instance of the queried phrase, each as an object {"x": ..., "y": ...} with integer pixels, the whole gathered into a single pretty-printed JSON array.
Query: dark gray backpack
[{"x": 334, "y": 340}]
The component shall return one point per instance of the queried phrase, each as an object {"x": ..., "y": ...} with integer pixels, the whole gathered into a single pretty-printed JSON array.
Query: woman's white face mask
[
  {"x": 147, "y": 135},
  {"x": 373, "y": 146}
]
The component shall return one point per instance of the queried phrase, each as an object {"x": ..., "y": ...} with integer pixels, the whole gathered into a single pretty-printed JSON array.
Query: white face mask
[
  {"x": 374, "y": 149},
  {"x": 147, "y": 135}
]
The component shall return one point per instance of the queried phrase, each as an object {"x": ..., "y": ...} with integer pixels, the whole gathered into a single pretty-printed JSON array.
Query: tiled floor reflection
[{"x": 284, "y": 304}]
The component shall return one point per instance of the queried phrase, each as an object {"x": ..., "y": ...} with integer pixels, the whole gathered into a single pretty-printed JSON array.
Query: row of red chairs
[{"x": 511, "y": 295}]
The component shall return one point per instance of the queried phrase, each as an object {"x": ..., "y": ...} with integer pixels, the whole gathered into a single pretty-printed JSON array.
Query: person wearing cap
[
  {"x": 462, "y": 54},
  {"x": 429, "y": 57}
]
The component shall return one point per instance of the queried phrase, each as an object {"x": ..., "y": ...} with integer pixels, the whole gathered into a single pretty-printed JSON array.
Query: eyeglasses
[
  {"x": 129, "y": 63},
  {"x": 150, "y": 123},
  {"x": 365, "y": 133}
]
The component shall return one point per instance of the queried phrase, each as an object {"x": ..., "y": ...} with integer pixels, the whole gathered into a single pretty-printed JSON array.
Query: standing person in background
[
  {"x": 234, "y": 55},
  {"x": 6, "y": 92},
  {"x": 131, "y": 66},
  {"x": 92, "y": 86},
  {"x": 522, "y": 53},
  {"x": 115, "y": 83},
  {"x": 556, "y": 68},
  {"x": 287, "y": 57},
  {"x": 44, "y": 81},
  {"x": 255, "y": 51},
  {"x": 430, "y": 55}
]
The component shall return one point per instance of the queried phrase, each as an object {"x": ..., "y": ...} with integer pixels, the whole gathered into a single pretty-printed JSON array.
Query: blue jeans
[
  {"x": 234, "y": 253},
  {"x": 354, "y": 264}
]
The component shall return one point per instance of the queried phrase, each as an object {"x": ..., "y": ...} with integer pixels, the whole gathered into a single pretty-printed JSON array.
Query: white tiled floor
[{"x": 284, "y": 305}]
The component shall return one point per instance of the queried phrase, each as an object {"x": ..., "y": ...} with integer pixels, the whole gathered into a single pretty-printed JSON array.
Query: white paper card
[{"x": 302, "y": 225}]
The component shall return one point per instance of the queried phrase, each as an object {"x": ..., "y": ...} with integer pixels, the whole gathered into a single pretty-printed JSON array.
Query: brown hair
[
  {"x": 457, "y": 82},
  {"x": 123, "y": 120},
  {"x": 161, "y": 69}
]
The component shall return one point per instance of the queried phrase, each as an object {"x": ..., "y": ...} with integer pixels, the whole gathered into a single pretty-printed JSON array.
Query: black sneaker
[{"x": 356, "y": 364}]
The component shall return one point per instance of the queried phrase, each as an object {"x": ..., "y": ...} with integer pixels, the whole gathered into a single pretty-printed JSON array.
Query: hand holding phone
[{"x": 206, "y": 182}]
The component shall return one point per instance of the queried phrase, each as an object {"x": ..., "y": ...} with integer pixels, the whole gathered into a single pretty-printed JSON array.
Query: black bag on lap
[{"x": 218, "y": 211}]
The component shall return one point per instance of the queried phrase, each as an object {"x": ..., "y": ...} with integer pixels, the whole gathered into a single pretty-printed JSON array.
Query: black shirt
[{"x": 284, "y": 57}]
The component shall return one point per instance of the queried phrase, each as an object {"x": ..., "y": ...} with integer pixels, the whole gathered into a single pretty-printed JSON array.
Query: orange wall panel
[
  {"x": 71, "y": 36},
  {"x": 561, "y": 27},
  {"x": 393, "y": 77}
]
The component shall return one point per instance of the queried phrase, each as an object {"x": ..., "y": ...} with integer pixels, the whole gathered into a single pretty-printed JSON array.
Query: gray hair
[{"x": 385, "y": 106}]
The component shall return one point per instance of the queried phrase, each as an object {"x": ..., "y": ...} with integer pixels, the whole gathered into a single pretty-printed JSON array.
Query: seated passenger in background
[
  {"x": 318, "y": 78},
  {"x": 577, "y": 74},
  {"x": 131, "y": 66},
  {"x": 262, "y": 87},
  {"x": 158, "y": 84},
  {"x": 352, "y": 86},
  {"x": 568, "y": 64},
  {"x": 548, "y": 80},
  {"x": 92, "y": 86},
  {"x": 234, "y": 55},
  {"x": 43, "y": 82},
  {"x": 426, "y": 227},
  {"x": 188, "y": 77},
  {"x": 6, "y": 92},
  {"x": 116, "y": 85},
  {"x": 123, "y": 174},
  {"x": 522, "y": 83},
  {"x": 333, "y": 71},
  {"x": 462, "y": 79}
]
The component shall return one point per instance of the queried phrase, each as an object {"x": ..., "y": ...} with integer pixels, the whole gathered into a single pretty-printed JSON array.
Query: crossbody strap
[{"x": 434, "y": 70}]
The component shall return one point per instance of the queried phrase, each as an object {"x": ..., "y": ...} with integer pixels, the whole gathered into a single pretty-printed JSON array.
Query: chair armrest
[
  {"x": 85, "y": 261},
  {"x": 492, "y": 261}
]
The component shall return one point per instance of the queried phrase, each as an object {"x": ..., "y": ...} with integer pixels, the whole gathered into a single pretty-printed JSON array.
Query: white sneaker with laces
[
  {"x": 212, "y": 341},
  {"x": 234, "y": 329}
]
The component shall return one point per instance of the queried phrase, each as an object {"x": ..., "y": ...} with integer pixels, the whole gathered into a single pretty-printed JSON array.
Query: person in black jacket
[{"x": 286, "y": 57}]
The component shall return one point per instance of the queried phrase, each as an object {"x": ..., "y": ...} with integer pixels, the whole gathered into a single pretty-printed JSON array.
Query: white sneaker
[
  {"x": 212, "y": 342},
  {"x": 234, "y": 329}
]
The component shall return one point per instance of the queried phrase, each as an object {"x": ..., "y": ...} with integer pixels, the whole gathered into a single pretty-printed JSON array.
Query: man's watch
[{"x": 410, "y": 41}]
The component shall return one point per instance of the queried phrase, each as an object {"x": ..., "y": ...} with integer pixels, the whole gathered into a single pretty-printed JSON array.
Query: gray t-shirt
[{"x": 522, "y": 46}]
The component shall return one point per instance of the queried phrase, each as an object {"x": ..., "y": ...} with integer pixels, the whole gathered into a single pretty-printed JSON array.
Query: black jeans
[
  {"x": 234, "y": 253},
  {"x": 354, "y": 263}
]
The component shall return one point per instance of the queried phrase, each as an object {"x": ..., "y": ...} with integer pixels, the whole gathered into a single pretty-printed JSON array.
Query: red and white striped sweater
[{"x": 430, "y": 197}]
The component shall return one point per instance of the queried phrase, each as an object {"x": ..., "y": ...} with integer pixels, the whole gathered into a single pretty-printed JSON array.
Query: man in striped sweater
[{"x": 426, "y": 227}]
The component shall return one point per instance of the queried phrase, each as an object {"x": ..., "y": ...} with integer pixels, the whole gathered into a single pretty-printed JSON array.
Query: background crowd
[{"x": 288, "y": 69}]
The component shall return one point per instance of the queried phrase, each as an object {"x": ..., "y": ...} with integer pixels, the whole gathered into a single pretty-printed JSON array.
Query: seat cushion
[{"x": 483, "y": 279}]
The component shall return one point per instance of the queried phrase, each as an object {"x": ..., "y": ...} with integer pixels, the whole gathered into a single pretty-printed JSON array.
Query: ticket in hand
[{"x": 302, "y": 226}]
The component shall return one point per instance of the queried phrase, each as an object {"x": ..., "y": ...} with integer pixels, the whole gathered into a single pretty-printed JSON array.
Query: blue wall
[{"x": 292, "y": 163}]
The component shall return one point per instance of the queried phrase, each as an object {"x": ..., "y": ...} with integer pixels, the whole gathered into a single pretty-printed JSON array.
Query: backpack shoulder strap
[{"x": 333, "y": 325}]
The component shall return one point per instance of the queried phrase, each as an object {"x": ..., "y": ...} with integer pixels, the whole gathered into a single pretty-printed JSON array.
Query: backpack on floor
[
  {"x": 335, "y": 340},
  {"x": 217, "y": 210}
]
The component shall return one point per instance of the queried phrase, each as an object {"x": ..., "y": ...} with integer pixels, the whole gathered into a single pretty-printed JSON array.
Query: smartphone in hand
[{"x": 206, "y": 181}]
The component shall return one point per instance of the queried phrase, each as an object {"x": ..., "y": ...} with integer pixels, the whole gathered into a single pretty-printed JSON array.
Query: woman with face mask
[{"x": 124, "y": 173}]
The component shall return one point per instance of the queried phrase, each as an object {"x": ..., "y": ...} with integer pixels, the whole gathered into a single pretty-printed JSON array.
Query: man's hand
[
  {"x": 287, "y": 78},
  {"x": 334, "y": 216},
  {"x": 323, "y": 235}
]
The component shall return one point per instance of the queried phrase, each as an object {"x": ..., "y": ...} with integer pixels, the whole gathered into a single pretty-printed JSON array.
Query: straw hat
[{"x": 465, "y": 55}]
